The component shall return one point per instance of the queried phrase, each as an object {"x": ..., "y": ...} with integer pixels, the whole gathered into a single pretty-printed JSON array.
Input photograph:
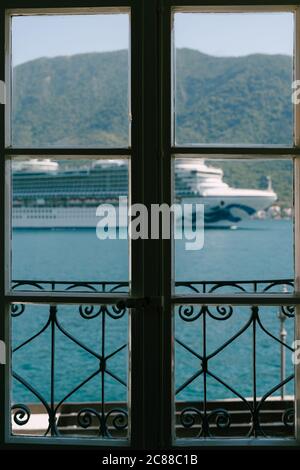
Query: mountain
[
  {"x": 82, "y": 100},
  {"x": 239, "y": 100},
  {"x": 79, "y": 100}
]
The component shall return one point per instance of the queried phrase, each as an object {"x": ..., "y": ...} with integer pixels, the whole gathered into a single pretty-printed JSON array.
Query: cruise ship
[{"x": 48, "y": 194}]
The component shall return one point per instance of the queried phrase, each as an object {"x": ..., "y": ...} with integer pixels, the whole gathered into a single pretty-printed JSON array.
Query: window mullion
[
  {"x": 69, "y": 152},
  {"x": 265, "y": 152},
  {"x": 3, "y": 368},
  {"x": 137, "y": 328},
  {"x": 147, "y": 261}
]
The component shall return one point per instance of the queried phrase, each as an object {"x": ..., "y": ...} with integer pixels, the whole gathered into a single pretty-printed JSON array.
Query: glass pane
[
  {"x": 247, "y": 236},
  {"x": 69, "y": 371},
  {"x": 234, "y": 371},
  {"x": 233, "y": 78},
  {"x": 70, "y": 81},
  {"x": 69, "y": 224}
]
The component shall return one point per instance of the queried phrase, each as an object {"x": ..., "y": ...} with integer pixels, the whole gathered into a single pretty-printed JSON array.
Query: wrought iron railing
[
  {"x": 212, "y": 422},
  {"x": 115, "y": 418},
  {"x": 202, "y": 287},
  {"x": 101, "y": 287},
  {"x": 249, "y": 287},
  {"x": 202, "y": 418}
]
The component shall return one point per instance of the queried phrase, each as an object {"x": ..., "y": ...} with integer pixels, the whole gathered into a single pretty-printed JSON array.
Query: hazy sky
[
  {"x": 212, "y": 33},
  {"x": 50, "y": 36},
  {"x": 235, "y": 34}
]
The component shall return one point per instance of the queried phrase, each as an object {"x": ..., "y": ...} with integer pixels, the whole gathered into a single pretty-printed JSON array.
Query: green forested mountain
[
  {"x": 72, "y": 101},
  {"x": 243, "y": 100},
  {"x": 82, "y": 100}
]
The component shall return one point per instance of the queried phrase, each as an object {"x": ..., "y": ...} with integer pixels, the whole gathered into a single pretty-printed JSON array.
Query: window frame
[
  {"x": 152, "y": 427},
  {"x": 170, "y": 149},
  {"x": 135, "y": 398}
]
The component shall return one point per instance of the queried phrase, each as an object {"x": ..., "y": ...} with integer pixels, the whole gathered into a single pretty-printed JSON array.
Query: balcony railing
[
  {"x": 202, "y": 287},
  {"x": 271, "y": 414}
]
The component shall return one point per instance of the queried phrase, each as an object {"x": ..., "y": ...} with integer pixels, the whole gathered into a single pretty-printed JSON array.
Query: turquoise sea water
[{"x": 256, "y": 250}]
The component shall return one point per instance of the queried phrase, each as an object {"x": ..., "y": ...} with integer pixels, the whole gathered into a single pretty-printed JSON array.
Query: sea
[{"x": 254, "y": 250}]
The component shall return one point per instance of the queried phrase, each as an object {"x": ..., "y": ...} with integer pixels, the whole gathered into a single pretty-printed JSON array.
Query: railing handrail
[{"x": 177, "y": 283}]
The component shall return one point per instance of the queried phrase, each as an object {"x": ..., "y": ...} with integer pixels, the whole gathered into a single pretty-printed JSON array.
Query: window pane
[
  {"x": 69, "y": 371},
  {"x": 69, "y": 224},
  {"x": 233, "y": 78},
  {"x": 233, "y": 376},
  {"x": 247, "y": 236},
  {"x": 70, "y": 81}
]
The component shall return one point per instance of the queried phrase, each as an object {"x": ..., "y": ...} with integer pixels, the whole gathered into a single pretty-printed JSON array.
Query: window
[
  {"x": 229, "y": 97},
  {"x": 141, "y": 342},
  {"x": 231, "y": 376},
  {"x": 64, "y": 89},
  {"x": 57, "y": 178}
]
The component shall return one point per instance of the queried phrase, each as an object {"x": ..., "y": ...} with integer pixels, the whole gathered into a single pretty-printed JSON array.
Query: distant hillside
[
  {"x": 82, "y": 101},
  {"x": 234, "y": 100},
  {"x": 77, "y": 100}
]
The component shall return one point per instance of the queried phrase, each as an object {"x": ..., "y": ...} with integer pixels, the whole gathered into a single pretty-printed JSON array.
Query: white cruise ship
[
  {"x": 51, "y": 195},
  {"x": 223, "y": 205}
]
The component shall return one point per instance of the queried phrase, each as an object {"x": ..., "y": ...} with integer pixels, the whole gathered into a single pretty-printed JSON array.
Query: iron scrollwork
[
  {"x": 111, "y": 420},
  {"x": 215, "y": 421},
  {"x": 115, "y": 418}
]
